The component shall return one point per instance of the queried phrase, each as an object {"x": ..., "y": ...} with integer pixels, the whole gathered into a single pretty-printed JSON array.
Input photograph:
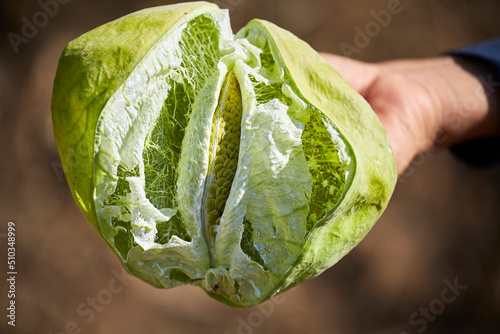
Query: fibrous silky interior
[{"x": 212, "y": 168}]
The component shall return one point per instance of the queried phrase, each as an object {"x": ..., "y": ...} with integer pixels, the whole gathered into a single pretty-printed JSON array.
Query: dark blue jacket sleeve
[{"x": 482, "y": 152}]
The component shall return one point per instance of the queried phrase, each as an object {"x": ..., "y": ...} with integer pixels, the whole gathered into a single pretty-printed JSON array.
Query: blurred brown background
[{"x": 442, "y": 226}]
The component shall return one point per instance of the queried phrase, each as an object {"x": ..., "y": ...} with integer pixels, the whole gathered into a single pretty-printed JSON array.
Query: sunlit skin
[{"x": 429, "y": 102}]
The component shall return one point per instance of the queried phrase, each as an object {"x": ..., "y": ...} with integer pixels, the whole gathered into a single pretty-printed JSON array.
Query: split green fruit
[{"x": 243, "y": 164}]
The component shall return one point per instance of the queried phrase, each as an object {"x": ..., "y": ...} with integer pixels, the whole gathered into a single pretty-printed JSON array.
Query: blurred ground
[{"x": 442, "y": 227}]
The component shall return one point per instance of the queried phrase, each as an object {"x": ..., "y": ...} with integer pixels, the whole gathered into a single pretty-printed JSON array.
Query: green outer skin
[
  {"x": 375, "y": 176},
  {"x": 83, "y": 89}
]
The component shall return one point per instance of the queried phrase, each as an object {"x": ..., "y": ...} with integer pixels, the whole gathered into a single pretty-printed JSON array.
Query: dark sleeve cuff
[
  {"x": 487, "y": 52},
  {"x": 482, "y": 152}
]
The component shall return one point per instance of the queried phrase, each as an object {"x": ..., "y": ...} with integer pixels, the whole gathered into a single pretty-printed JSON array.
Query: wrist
[
  {"x": 444, "y": 101},
  {"x": 470, "y": 102}
]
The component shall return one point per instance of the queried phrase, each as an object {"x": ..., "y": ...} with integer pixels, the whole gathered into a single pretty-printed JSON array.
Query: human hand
[{"x": 422, "y": 103}]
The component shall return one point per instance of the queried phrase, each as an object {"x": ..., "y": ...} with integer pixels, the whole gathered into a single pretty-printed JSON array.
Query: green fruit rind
[
  {"x": 133, "y": 106},
  {"x": 375, "y": 175},
  {"x": 82, "y": 87}
]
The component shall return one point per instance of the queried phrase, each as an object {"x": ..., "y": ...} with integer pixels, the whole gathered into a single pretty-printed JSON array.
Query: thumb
[{"x": 358, "y": 74}]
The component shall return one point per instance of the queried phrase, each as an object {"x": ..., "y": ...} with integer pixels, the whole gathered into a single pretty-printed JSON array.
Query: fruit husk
[{"x": 94, "y": 66}]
